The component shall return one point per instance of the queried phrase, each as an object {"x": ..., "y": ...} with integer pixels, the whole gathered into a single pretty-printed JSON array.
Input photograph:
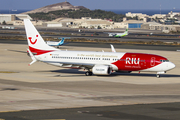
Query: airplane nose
[{"x": 171, "y": 65}]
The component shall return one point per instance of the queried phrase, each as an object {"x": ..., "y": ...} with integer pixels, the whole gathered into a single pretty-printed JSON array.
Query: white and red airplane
[{"x": 98, "y": 63}]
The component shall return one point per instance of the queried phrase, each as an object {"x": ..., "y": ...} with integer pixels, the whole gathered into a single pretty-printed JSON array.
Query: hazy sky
[{"x": 93, "y": 4}]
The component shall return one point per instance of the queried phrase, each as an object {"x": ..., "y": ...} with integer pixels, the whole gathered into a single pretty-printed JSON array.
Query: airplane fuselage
[
  {"x": 117, "y": 34},
  {"x": 98, "y": 63},
  {"x": 54, "y": 43},
  {"x": 118, "y": 61}
]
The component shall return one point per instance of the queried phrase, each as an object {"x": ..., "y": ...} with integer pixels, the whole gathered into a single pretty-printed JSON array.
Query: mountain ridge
[{"x": 55, "y": 7}]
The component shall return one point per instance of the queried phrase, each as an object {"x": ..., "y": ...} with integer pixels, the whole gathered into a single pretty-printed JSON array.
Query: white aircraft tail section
[{"x": 35, "y": 41}]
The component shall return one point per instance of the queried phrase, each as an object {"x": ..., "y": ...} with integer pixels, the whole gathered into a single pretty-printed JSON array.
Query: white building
[
  {"x": 139, "y": 15},
  {"x": 12, "y": 17},
  {"x": 104, "y": 24},
  {"x": 172, "y": 14},
  {"x": 158, "y": 16},
  {"x": 86, "y": 22},
  {"x": 21, "y": 22}
]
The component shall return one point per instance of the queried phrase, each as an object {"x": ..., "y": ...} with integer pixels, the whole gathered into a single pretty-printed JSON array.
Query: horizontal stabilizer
[{"x": 32, "y": 57}]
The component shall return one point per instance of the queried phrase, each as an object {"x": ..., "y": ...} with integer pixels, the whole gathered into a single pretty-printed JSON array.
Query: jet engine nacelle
[{"x": 101, "y": 70}]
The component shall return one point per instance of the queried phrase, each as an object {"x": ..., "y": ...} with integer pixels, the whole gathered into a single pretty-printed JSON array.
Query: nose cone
[{"x": 171, "y": 65}]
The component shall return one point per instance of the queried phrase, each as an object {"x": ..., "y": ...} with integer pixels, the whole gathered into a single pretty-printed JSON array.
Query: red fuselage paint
[
  {"x": 138, "y": 61},
  {"x": 38, "y": 51}
]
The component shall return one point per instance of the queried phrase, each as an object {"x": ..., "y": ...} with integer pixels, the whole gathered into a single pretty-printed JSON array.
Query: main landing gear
[
  {"x": 158, "y": 75},
  {"x": 88, "y": 73}
]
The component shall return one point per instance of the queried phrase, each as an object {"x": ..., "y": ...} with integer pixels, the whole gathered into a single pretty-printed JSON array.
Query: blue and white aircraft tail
[{"x": 57, "y": 44}]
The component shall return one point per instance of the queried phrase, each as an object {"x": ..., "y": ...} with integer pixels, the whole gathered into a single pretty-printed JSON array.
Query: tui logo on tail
[{"x": 30, "y": 39}]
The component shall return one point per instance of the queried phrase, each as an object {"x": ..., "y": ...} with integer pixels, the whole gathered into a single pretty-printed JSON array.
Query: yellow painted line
[
  {"x": 52, "y": 119},
  {"x": 10, "y": 111},
  {"x": 7, "y": 72}
]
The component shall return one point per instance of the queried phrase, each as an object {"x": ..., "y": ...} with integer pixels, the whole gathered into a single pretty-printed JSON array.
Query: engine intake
[{"x": 101, "y": 70}]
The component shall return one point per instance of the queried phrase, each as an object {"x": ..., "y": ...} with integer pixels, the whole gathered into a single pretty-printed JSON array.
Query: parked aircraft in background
[
  {"x": 98, "y": 63},
  {"x": 118, "y": 34},
  {"x": 57, "y": 44}
]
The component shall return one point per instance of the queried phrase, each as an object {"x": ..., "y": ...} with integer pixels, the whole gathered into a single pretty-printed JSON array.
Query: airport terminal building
[{"x": 9, "y": 18}]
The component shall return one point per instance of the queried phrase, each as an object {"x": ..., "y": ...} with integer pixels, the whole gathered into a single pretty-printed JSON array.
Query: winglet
[
  {"x": 112, "y": 48},
  {"x": 32, "y": 57}
]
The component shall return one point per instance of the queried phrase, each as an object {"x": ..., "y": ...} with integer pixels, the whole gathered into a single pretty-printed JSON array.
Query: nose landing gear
[{"x": 158, "y": 74}]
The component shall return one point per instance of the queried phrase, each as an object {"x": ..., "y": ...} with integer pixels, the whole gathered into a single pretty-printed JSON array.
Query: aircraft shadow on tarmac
[
  {"x": 17, "y": 51},
  {"x": 75, "y": 72},
  {"x": 81, "y": 73},
  {"x": 143, "y": 74}
]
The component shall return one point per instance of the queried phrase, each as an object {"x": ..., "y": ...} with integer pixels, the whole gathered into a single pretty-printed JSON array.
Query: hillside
[
  {"x": 55, "y": 7},
  {"x": 77, "y": 14}
]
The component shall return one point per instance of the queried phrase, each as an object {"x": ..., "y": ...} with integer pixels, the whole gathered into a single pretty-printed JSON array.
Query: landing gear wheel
[
  {"x": 88, "y": 73},
  {"x": 158, "y": 76}
]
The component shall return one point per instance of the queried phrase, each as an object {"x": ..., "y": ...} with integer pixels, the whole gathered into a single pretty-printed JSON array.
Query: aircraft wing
[{"x": 112, "y": 48}]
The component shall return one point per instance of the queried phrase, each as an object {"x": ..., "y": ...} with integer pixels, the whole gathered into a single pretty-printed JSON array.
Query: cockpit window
[{"x": 164, "y": 60}]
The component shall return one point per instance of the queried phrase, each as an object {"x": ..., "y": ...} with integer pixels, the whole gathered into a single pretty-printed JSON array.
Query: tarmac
[{"x": 43, "y": 87}]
